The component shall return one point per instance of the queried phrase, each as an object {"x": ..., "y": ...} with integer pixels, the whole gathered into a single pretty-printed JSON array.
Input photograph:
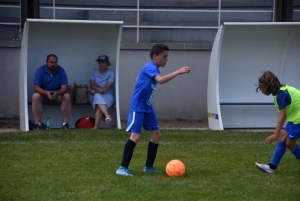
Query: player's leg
[
  {"x": 293, "y": 136},
  {"x": 66, "y": 107},
  {"x": 295, "y": 149},
  {"x": 279, "y": 150},
  {"x": 278, "y": 154},
  {"x": 134, "y": 125},
  {"x": 151, "y": 124},
  {"x": 37, "y": 109}
]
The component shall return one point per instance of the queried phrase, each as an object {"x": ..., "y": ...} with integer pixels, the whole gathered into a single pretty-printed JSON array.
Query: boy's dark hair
[
  {"x": 271, "y": 81},
  {"x": 157, "y": 49},
  {"x": 51, "y": 55}
]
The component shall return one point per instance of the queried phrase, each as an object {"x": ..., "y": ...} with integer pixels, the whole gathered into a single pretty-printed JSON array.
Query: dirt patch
[{"x": 9, "y": 123}]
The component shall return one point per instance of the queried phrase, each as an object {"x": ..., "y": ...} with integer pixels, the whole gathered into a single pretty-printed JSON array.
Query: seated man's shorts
[{"x": 47, "y": 101}]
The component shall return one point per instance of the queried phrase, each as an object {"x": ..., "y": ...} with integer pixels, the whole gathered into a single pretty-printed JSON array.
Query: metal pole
[
  {"x": 274, "y": 4},
  {"x": 54, "y": 9},
  {"x": 137, "y": 21},
  {"x": 219, "y": 18},
  {"x": 20, "y": 31}
]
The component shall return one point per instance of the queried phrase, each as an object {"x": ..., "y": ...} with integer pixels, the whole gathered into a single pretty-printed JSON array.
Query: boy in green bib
[{"x": 287, "y": 102}]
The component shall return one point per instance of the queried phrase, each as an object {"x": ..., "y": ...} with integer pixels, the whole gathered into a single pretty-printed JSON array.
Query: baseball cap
[{"x": 103, "y": 57}]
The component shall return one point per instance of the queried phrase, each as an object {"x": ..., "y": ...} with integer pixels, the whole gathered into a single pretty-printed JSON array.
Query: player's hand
[
  {"x": 184, "y": 69},
  {"x": 271, "y": 138}
]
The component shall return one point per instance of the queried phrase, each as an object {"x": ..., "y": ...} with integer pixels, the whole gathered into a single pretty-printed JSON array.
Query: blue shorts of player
[
  {"x": 137, "y": 120},
  {"x": 293, "y": 130}
]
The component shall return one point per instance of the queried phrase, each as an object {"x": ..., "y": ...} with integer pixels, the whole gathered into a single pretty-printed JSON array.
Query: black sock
[
  {"x": 128, "y": 152},
  {"x": 272, "y": 166},
  {"x": 152, "y": 150}
]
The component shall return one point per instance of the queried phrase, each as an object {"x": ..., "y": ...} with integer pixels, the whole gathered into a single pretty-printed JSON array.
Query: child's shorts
[
  {"x": 293, "y": 130},
  {"x": 137, "y": 120}
]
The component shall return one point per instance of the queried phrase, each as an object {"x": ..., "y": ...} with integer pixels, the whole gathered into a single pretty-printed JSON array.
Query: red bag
[{"x": 85, "y": 122}]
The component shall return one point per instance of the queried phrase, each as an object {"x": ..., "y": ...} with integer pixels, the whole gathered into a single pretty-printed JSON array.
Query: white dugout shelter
[
  {"x": 241, "y": 53},
  {"x": 77, "y": 44}
]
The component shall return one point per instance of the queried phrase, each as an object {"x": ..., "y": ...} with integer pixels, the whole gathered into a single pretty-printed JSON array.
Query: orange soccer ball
[{"x": 175, "y": 168}]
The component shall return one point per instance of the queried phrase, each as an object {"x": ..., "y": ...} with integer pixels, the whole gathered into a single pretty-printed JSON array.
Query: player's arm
[
  {"x": 168, "y": 77},
  {"x": 281, "y": 120}
]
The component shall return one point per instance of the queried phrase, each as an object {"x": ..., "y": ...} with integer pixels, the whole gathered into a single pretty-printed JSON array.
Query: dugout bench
[
  {"x": 77, "y": 43},
  {"x": 241, "y": 52}
]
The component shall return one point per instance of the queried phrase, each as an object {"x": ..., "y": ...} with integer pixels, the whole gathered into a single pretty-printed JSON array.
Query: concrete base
[{"x": 7, "y": 130}]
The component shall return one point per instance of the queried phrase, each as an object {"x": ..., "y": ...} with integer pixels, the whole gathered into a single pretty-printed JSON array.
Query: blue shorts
[
  {"x": 293, "y": 130},
  {"x": 137, "y": 120}
]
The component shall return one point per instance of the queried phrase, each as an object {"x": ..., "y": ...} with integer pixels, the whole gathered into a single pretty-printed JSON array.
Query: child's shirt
[
  {"x": 144, "y": 89},
  {"x": 283, "y": 99}
]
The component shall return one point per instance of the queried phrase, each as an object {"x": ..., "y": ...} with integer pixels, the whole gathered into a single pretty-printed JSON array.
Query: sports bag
[
  {"x": 85, "y": 122},
  {"x": 81, "y": 93}
]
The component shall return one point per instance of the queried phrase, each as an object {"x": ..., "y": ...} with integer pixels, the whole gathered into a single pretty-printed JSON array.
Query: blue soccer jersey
[
  {"x": 144, "y": 89},
  {"x": 283, "y": 99}
]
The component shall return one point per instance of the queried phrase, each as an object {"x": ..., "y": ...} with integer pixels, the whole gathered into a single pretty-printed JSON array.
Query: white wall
[
  {"x": 184, "y": 97},
  {"x": 247, "y": 50},
  {"x": 9, "y": 80}
]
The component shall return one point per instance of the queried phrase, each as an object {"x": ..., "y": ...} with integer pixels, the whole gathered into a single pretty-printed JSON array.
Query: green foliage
[{"x": 81, "y": 164}]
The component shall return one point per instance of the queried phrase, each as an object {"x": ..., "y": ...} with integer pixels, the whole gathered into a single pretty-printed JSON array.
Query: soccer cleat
[
  {"x": 150, "y": 169},
  {"x": 123, "y": 171},
  {"x": 37, "y": 127},
  {"x": 265, "y": 167},
  {"x": 66, "y": 126}
]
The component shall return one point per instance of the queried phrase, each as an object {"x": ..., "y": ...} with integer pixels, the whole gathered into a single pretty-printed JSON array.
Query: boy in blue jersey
[
  {"x": 287, "y": 102},
  {"x": 141, "y": 112},
  {"x": 50, "y": 87}
]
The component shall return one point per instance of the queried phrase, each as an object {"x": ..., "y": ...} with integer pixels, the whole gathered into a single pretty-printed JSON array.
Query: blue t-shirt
[
  {"x": 101, "y": 80},
  {"x": 144, "y": 89},
  {"x": 50, "y": 82},
  {"x": 283, "y": 99}
]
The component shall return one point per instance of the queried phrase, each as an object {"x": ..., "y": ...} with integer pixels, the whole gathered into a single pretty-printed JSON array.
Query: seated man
[{"x": 50, "y": 87}]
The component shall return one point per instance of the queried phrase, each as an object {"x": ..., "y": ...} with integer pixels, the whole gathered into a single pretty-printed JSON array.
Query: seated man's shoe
[
  {"x": 37, "y": 127},
  {"x": 66, "y": 126}
]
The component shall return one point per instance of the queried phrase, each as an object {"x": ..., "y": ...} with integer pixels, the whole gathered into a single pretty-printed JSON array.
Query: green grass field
[{"x": 81, "y": 165}]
